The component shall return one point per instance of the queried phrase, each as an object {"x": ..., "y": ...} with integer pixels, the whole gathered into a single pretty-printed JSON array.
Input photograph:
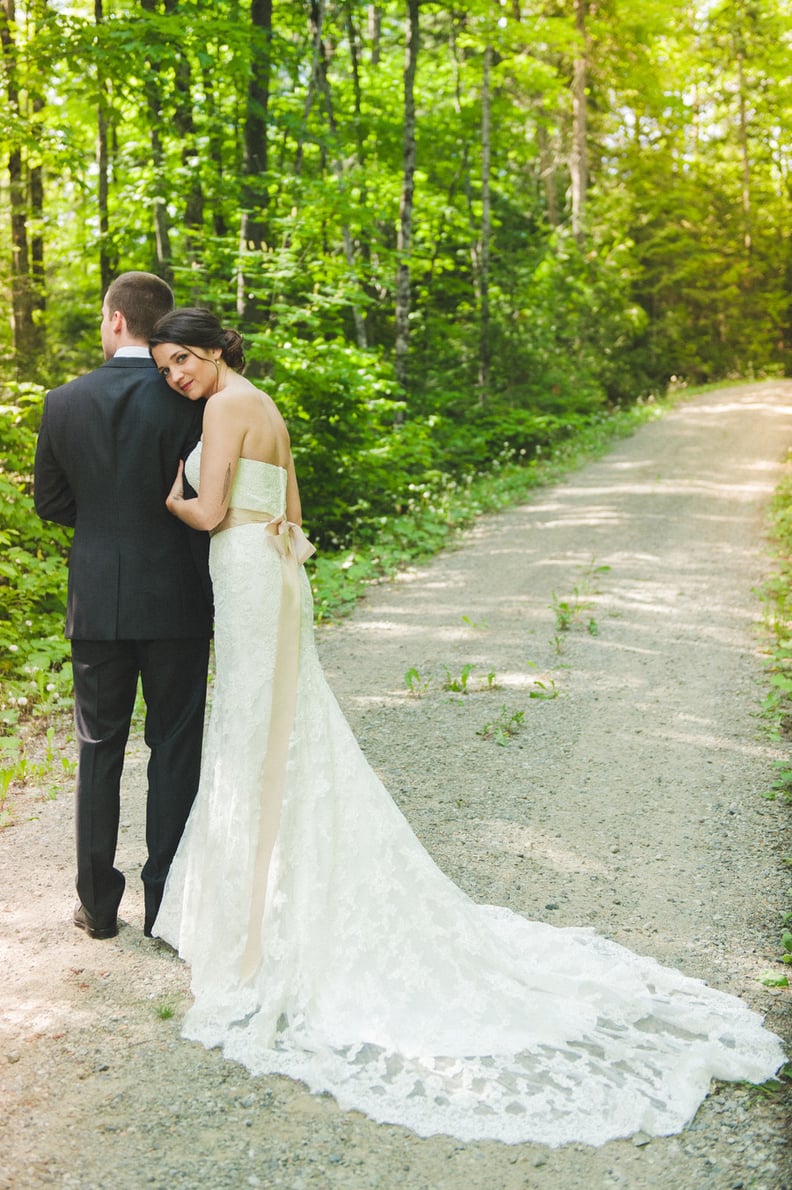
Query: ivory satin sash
[{"x": 294, "y": 548}]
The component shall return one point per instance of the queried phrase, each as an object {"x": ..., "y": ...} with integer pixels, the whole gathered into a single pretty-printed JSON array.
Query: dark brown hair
[
  {"x": 192, "y": 326},
  {"x": 142, "y": 298}
]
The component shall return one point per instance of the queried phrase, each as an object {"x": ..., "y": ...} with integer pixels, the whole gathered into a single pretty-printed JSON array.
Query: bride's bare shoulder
[
  {"x": 241, "y": 391},
  {"x": 238, "y": 396}
]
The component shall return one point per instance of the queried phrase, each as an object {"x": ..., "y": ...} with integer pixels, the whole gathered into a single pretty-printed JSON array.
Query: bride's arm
[
  {"x": 293, "y": 504},
  {"x": 223, "y": 433}
]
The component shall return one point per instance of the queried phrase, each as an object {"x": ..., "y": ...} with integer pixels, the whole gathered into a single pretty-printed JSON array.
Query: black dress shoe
[{"x": 83, "y": 921}]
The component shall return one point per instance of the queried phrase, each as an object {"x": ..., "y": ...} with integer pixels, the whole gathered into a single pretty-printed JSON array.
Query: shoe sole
[{"x": 95, "y": 931}]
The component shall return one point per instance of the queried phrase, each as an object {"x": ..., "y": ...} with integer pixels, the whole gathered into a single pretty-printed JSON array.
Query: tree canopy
[{"x": 496, "y": 199}]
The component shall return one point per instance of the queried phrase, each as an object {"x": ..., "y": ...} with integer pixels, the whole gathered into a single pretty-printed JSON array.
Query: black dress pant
[{"x": 173, "y": 678}]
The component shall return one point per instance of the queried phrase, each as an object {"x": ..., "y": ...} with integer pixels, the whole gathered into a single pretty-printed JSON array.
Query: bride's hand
[{"x": 177, "y": 491}]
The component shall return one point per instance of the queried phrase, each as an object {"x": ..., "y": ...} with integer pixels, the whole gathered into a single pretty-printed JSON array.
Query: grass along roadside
[
  {"x": 37, "y": 760},
  {"x": 776, "y": 596}
]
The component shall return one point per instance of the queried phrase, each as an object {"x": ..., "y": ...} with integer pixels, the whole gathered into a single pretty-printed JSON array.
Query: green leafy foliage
[
  {"x": 570, "y": 610},
  {"x": 502, "y": 729},
  {"x": 776, "y": 595},
  {"x": 682, "y": 268},
  {"x": 34, "y": 668}
]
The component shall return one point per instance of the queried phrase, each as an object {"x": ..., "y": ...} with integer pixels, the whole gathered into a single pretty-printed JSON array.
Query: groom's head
[{"x": 134, "y": 302}]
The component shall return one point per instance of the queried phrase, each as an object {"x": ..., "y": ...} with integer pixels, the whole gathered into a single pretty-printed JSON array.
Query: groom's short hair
[{"x": 142, "y": 298}]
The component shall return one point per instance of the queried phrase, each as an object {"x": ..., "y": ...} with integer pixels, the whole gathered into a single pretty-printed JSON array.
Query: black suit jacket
[{"x": 107, "y": 454}]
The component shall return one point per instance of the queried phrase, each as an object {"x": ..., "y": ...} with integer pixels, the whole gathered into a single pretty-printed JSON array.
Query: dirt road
[{"x": 611, "y": 623}]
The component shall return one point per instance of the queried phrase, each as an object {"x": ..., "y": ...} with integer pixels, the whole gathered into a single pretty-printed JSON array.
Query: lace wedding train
[{"x": 374, "y": 977}]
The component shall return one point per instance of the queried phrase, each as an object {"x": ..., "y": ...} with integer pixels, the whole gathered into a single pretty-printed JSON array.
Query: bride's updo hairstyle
[{"x": 190, "y": 326}]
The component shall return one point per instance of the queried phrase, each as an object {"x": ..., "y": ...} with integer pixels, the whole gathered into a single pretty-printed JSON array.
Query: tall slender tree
[
  {"x": 404, "y": 240},
  {"x": 107, "y": 257},
  {"x": 184, "y": 127},
  {"x": 486, "y": 228},
  {"x": 254, "y": 199},
  {"x": 578, "y": 160},
  {"x": 161, "y": 218},
  {"x": 323, "y": 86},
  {"x": 22, "y": 303}
]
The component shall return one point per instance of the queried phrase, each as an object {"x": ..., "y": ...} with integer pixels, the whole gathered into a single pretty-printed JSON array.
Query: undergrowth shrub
[{"x": 35, "y": 672}]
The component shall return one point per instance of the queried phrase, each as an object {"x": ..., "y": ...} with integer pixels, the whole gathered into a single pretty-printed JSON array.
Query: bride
[{"x": 324, "y": 942}]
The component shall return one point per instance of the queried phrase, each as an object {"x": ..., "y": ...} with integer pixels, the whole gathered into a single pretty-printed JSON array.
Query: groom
[{"x": 139, "y": 594}]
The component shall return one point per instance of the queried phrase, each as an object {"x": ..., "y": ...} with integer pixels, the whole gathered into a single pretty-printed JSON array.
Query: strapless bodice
[{"x": 259, "y": 486}]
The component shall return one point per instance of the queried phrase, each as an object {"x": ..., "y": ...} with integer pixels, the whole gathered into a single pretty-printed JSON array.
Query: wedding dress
[{"x": 326, "y": 945}]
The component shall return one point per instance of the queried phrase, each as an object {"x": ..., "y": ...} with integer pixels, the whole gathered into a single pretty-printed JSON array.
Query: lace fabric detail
[{"x": 381, "y": 981}]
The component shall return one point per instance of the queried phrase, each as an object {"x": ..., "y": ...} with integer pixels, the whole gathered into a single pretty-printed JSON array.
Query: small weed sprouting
[
  {"x": 6, "y": 810},
  {"x": 786, "y": 942},
  {"x": 459, "y": 685},
  {"x": 564, "y": 613},
  {"x": 762, "y": 1091},
  {"x": 569, "y": 611},
  {"x": 776, "y": 596},
  {"x": 165, "y": 1011},
  {"x": 479, "y": 625},
  {"x": 544, "y": 689},
  {"x": 771, "y": 979},
  {"x": 782, "y": 784},
  {"x": 504, "y": 727},
  {"x": 415, "y": 683},
  {"x": 17, "y": 768}
]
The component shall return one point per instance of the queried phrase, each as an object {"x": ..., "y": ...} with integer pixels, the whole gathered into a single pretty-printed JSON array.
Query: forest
[{"x": 456, "y": 237}]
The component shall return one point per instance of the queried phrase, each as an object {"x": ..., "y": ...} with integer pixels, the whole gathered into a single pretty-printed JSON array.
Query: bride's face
[{"x": 191, "y": 371}]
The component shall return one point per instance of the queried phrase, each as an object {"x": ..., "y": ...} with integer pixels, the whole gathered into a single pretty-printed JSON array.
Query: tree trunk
[
  {"x": 354, "y": 55},
  {"x": 404, "y": 237},
  {"x": 323, "y": 85},
  {"x": 374, "y": 31},
  {"x": 578, "y": 162},
  {"x": 21, "y": 286},
  {"x": 547, "y": 172},
  {"x": 354, "y": 50},
  {"x": 160, "y": 212},
  {"x": 37, "y": 275},
  {"x": 184, "y": 126},
  {"x": 486, "y": 232},
  {"x": 36, "y": 184},
  {"x": 107, "y": 262},
  {"x": 252, "y": 227},
  {"x": 746, "y": 159},
  {"x": 215, "y": 149}
]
